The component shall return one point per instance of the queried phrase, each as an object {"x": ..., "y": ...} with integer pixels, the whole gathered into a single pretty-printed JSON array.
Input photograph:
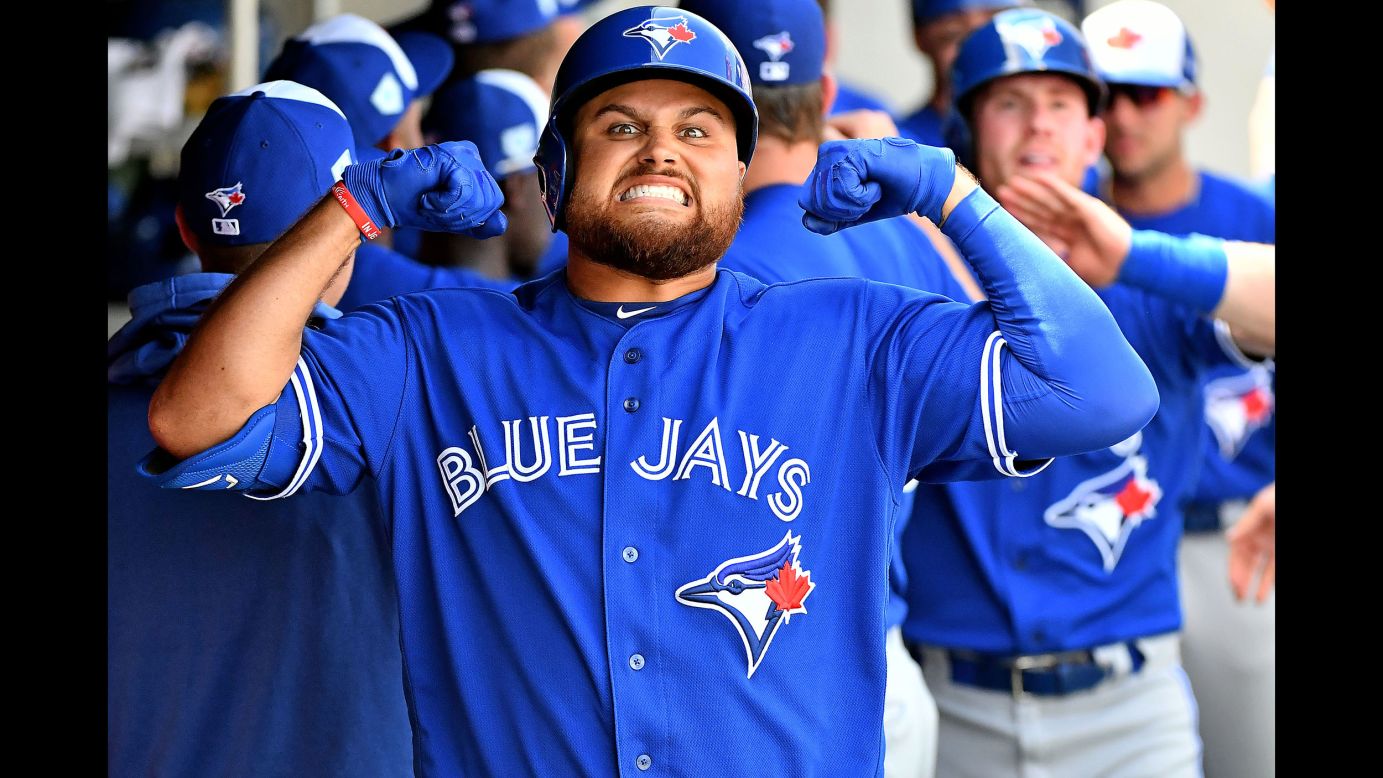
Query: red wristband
[{"x": 362, "y": 221}]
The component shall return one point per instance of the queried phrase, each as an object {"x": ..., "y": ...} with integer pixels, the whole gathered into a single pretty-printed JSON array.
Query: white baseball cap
[{"x": 1140, "y": 42}]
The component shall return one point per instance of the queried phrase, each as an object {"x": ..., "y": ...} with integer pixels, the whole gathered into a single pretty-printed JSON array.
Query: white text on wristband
[{"x": 362, "y": 221}]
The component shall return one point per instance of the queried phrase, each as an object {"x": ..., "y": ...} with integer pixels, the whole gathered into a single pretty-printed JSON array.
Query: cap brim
[{"x": 431, "y": 56}]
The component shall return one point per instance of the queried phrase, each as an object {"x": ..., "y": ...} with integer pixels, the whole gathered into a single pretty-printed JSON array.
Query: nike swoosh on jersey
[{"x": 623, "y": 314}]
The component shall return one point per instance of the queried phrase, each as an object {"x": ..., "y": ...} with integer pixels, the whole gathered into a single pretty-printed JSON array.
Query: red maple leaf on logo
[
  {"x": 787, "y": 590},
  {"x": 681, "y": 33},
  {"x": 236, "y": 198},
  {"x": 787, "y": 44},
  {"x": 1125, "y": 39},
  {"x": 1051, "y": 37},
  {"x": 1256, "y": 405},
  {"x": 1133, "y": 499}
]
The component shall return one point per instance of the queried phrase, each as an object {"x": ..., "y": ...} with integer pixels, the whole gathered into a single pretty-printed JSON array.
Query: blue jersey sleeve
[
  {"x": 937, "y": 380},
  {"x": 338, "y": 413},
  {"x": 379, "y": 273}
]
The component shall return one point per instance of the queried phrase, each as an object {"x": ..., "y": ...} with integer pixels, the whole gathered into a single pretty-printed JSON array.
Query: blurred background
[{"x": 168, "y": 59}]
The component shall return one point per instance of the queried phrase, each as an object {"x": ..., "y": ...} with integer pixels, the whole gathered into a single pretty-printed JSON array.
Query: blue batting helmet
[
  {"x": 1023, "y": 40},
  {"x": 638, "y": 44}
]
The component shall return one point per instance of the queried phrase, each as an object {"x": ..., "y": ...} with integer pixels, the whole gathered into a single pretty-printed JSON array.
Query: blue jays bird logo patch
[
  {"x": 757, "y": 593},
  {"x": 1109, "y": 507},
  {"x": 1238, "y": 406},
  {"x": 227, "y": 197},
  {"x": 775, "y": 46},
  {"x": 662, "y": 34}
]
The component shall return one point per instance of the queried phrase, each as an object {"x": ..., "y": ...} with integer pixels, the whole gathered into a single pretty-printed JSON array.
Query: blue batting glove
[
  {"x": 439, "y": 188},
  {"x": 858, "y": 181}
]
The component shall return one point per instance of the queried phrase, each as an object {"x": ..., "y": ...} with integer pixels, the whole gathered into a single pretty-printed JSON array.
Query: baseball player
[
  {"x": 242, "y": 639},
  {"x": 783, "y": 42},
  {"x": 1144, "y": 53},
  {"x": 1044, "y": 610},
  {"x": 640, "y": 509},
  {"x": 938, "y": 27},
  {"x": 501, "y": 112}
]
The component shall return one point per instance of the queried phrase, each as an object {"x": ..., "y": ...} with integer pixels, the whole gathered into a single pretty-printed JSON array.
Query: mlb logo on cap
[
  {"x": 1141, "y": 42},
  {"x": 259, "y": 159}
]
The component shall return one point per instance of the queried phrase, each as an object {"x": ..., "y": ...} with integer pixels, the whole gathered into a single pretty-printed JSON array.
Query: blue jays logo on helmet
[
  {"x": 757, "y": 593},
  {"x": 661, "y": 35},
  {"x": 635, "y": 44},
  {"x": 1109, "y": 507},
  {"x": 227, "y": 197},
  {"x": 1033, "y": 34},
  {"x": 1238, "y": 406}
]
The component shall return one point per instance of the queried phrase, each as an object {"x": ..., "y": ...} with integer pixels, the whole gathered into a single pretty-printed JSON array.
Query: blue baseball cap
[
  {"x": 924, "y": 11},
  {"x": 483, "y": 21},
  {"x": 782, "y": 41},
  {"x": 259, "y": 159},
  {"x": 358, "y": 66},
  {"x": 1141, "y": 42},
  {"x": 432, "y": 58},
  {"x": 500, "y": 111}
]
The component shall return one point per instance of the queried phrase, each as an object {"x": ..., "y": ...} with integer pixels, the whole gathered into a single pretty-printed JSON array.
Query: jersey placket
[{"x": 632, "y": 561}]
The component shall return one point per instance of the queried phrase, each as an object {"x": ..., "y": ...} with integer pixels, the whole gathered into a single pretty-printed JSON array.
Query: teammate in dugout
[
  {"x": 1045, "y": 611},
  {"x": 640, "y": 508},
  {"x": 1144, "y": 53},
  {"x": 212, "y": 603}
]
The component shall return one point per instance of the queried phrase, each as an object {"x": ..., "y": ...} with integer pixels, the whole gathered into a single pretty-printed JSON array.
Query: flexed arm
[
  {"x": 1231, "y": 281},
  {"x": 246, "y": 346},
  {"x": 1080, "y": 384}
]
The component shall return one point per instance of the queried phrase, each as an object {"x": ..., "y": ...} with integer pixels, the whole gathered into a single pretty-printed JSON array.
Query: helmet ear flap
[{"x": 552, "y": 162}]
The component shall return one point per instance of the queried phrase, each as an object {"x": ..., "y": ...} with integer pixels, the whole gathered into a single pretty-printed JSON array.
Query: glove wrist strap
[{"x": 363, "y": 222}]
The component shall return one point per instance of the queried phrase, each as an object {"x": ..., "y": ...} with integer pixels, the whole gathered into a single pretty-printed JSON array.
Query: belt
[{"x": 1043, "y": 675}]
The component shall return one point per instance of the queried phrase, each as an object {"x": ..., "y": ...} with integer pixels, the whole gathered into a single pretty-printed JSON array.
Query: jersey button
[
  {"x": 644, "y": 761},
  {"x": 631, "y": 554},
  {"x": 633, "y": 355},
  {"x": 631, "y": 404},
  {"x": 636, "y": 662},
  {"x": 1020, "y": 561}
]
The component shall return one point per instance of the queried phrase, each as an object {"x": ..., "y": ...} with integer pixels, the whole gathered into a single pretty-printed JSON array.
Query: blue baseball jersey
[
  {"x": 1084, "y": 554},
  {"x": 242, "y": 639},
  {"x": 773, "y": 246},
  {"x": 1239, "y": 440},
  {"x": 849, "y": 98},
  {"x": 380, "y": 273},
  {"x": 612, "y": 525},
  {"x": 925, "y": 125}
]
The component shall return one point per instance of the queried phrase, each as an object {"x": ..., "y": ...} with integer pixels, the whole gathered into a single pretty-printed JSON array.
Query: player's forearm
[
  {"x": 1249, "y": 304},
  {"x": 1058, "y": 330},
  {"x": 244, "y": 349},
  {"x": 1232, "y": 281}
]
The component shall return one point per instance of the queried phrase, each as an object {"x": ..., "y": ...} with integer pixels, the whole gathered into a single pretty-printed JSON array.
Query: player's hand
[
  {"x": 1253, "y": 546},
  {"x": 858, "y": 181},
  {"x": 439, "y": 188},
  {"x": 860, "y": 123},
  {"x": 1089, "y": 235}
]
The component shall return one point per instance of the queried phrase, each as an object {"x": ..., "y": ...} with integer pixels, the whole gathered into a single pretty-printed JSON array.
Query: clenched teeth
[{"x": 665, "y": 192}]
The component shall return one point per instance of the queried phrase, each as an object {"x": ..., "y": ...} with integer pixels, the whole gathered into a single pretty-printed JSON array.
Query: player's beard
[{"x": 647, "y": 245}]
